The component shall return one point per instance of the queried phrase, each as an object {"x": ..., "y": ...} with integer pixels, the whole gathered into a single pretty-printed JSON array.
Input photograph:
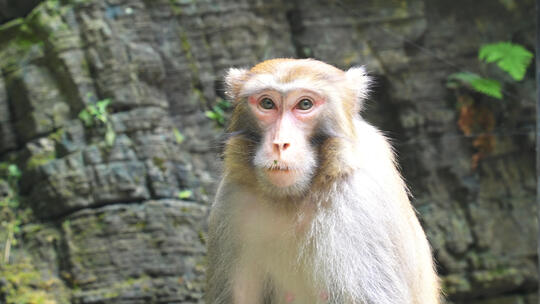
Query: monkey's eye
[
  {"x": 304, "y": 104},
  {"x": 267, "y": 104}
]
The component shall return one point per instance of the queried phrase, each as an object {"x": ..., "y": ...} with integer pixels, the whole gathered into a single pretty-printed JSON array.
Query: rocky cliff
[{"x": 117, "y": 202}]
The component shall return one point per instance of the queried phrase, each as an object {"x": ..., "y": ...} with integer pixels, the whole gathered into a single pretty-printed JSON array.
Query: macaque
[{"x": 311, "y": 207}]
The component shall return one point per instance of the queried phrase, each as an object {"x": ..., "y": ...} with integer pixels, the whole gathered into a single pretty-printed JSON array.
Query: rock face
[{"x": 108, "y": 223}]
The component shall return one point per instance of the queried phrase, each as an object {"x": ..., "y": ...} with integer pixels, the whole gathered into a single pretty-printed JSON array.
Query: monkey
[{"x": 311, "y": 207}]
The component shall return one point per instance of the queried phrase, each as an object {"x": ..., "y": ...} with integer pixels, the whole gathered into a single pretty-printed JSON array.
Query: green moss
[
  {"x": 56, "y": 136},
  {"x": 202, "y": 236},
  {"x": 111, "y": 294},
  {"x": 18, "y": 33},
  {"x": 118, "y": 288},
  {"x": 160, "y": 163},
  {"x": 454, "y": 283},
  {"x": 140, "y": 225},
  {"x": 509, "y": 4},
  {"x": 77, "y": 1},
  {"x": 40, "y": 29},
  {"x": 32, "y": 229},
  {"x": 24, "y": 284},
  {"x": 13, "y": 24},
  {"x": 38, "y": 160},
  {"x": 66, "y": 226},
  {"x": 486, "y": 277},
  {"x": 186, "y": 47},
  {"x": 177, "y": 10}
]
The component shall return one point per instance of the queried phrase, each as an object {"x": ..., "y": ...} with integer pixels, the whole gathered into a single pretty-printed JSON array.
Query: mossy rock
[{"x": 22, "y": 284}]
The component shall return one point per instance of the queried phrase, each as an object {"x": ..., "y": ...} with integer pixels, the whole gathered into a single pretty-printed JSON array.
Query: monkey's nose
[{"x": 280, "y": 147}]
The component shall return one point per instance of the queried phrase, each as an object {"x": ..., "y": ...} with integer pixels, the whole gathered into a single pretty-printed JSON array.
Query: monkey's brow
[{"x": 265, "y": 82}]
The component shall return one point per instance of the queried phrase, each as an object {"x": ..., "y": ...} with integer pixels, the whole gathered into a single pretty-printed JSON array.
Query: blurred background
[{"x": 111, "y": 111}]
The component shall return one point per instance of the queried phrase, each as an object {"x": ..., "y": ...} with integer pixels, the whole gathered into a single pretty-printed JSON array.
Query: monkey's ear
[
  {"x": 233, "y": 82},
  {"x": 359, "y": 81}
]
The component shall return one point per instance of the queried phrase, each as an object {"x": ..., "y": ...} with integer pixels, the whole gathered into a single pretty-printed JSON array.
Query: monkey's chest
[
  {"x": 273, "y": 233},
  {"x": 275, "y": 242}
]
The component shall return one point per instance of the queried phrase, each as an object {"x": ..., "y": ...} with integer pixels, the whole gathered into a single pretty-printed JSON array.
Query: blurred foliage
[
  {"x": 218, "y": 112},
  {"x": 178, "y": 136},
  {"x": 185, "y": 194},
  {"x": 512, "y": 58}
]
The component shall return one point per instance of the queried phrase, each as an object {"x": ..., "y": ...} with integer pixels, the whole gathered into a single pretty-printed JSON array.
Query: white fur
[
  {"x": 359, "y": 81},
  {"x": 232, "y": 78},
  {"x": 358, "y": 243}
]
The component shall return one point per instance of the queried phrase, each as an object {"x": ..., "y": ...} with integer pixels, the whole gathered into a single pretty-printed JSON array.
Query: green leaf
[
  {"x": 211, "y": 115},
  {"x": 489, "y": 87},
  {"x": 224, "y": 104},
  {"x": 218, "y": 111},
  {"x": 15, "y": 226},
  {"x": 178, "y": 136},
  {"x": 512, "y": 58},
  {"x": 13, "y": 171},
  {"x": 221, "y": 120},
  {"x": 185, "y": 194},
  {"x": 102, "y": 117},
  {"x": 102, "y": 105},
  {"x": 86, "y": 118},
  {"x": 92, "y": 109}
]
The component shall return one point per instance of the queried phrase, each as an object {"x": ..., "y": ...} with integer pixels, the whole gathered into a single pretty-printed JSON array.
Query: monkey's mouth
[
  {"x": 281, "y": 175},
  {"x": 279, "y": 168}
]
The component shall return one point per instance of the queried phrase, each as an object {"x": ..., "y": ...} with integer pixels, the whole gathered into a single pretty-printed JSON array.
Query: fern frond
[
  {"x": 512, "y": 58},
  {"x": 485, "y": 86}
]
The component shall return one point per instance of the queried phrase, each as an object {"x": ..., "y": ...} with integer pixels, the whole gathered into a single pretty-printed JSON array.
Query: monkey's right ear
[
  {"x": 233, "y": 82},
  {"x": 360, "y": 81}
]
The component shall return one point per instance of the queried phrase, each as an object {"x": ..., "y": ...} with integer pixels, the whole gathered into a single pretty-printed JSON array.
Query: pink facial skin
[{"x": 287, "y": 121}]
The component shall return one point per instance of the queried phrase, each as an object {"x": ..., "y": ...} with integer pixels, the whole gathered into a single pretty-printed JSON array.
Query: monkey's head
[{"x": 294, "y": 123}]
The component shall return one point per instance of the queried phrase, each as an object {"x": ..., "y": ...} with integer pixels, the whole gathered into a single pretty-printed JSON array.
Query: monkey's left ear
[
  {"x": 233, "y": 82},
  {"x": 359, "y": 81}
]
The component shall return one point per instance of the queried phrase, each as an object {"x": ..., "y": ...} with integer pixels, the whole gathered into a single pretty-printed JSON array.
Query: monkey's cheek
[{"x": 282, "y": 178}]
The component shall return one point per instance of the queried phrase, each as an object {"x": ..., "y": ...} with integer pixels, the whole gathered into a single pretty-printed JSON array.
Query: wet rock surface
[{"x": 110, "y": 226}]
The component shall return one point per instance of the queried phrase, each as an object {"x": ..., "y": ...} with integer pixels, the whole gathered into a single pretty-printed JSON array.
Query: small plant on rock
[
  {"x": 218, "y": 112},
  {"x": 512, "y": 58},
  {"x": 185, "y": 194},
  {"x": 98, "y": 114},
  {"x": 476, "y": 119}
]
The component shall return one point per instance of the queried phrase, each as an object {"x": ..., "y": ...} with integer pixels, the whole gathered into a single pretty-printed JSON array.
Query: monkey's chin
[
  {"x": 284, "y": 183},
  {"x": 282, "y": 178}
]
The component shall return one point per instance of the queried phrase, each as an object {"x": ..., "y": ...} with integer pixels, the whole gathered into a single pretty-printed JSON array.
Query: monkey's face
[
  {"x": 296, "y": 118},
  {"x": 285, "y": 159}
]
